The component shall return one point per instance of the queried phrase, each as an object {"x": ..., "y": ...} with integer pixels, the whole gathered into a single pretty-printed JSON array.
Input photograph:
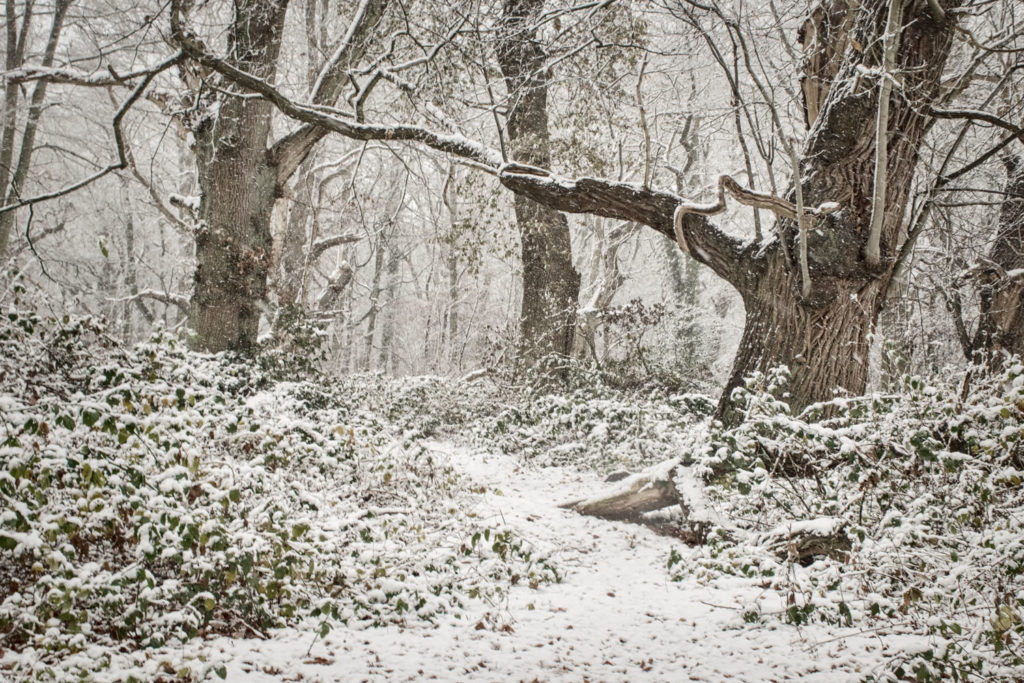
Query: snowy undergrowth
[
  {"x": 918, "y": 493},
  {"x": 152, "y": 497},
  {"x": 589, "y": 425},
  {"x": 596, "y": 429},
  {"x": 913, "y": 499}
]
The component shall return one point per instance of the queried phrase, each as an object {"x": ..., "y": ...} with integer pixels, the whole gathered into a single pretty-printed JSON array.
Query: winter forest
[{"x": 512, "y": 340}]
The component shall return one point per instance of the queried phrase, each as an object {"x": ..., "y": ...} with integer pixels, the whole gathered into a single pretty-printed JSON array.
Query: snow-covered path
[{"x": 615, "y": 617}]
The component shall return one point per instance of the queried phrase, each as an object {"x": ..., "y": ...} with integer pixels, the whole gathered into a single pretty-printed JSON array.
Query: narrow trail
[{"x": 615, "y": 617}]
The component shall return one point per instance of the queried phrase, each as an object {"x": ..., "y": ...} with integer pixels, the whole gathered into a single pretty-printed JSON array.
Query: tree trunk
[
  {"x": 820, "y": 337},
  {"x": 240, "y": 176},
  {"x": 1001, "y": 319},
  {"x": 233, "y": 249},
  {"x": 823, "y": 338},
  {"x": 824, "y": 347},
  {"x": 374, "y": 309},
  {"x": 607, "y": 279},
  {"x": 386, "y": 352},
  {"x": 14, "y": 182},
  {"x": 238, "y": 186},
  {"x": 551, "y": 285},
  {"x": 451, "y": 334},
  {"x": 291, "y": 268}
]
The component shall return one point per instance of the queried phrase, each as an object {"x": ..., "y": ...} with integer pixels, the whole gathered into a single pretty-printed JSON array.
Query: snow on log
[
  {"x": 802, "y": 541},
  {"x": 633, "y": 496}
]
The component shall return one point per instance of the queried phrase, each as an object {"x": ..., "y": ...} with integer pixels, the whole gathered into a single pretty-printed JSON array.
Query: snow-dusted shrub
[
  {"x": 589, "y": 424},
  {"x": 916, "y": 499},
  {"x": 598, "y": 428},
  {"x": 424, "y": 406},
  {"x": 150, "y": 497}
]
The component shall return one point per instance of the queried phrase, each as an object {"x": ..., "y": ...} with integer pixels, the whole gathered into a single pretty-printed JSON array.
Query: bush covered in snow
[
  {"x": 595, "y": 427},
  {"x": 153, "y": 496},
  {"x": 589, "y": 425},
  {"x": 915, "y": 501}
]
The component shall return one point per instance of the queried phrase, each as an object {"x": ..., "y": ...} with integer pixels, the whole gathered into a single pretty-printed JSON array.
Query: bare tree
[
  {"x": 242, "y": 171},
  {"x": 551, "y": 285}
]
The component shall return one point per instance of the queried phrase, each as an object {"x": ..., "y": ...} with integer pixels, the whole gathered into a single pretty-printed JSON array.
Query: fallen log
[
  {"x": 804, "y": 541},
  {"x": 629, "y": 504},
  {"x": 667, "y": 498},
  {"x": 649, "y": 498}
]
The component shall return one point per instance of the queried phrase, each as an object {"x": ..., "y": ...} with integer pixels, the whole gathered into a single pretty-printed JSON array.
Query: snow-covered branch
[
  {"x": 975, "y": 115},
  {"x": 68, "y": 76},
  {"x": 322, "y": 245},
  {"x": 167, "y": 298},
  {"x": 119, "y": 142}
]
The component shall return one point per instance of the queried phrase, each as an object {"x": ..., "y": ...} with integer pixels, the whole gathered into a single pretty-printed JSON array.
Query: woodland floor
[{"x": 615, "y": 616}]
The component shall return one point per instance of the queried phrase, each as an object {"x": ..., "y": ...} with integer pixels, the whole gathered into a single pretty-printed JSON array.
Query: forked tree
[{"x": 242, "y": 169}]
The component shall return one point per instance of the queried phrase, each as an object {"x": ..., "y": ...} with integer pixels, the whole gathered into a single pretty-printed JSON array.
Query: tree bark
[
  {"x": 291, "y": 266},
  {"x": 1001, "y": 319},
  {"x": 551, "y": 285},
  {"x": 238, "y": 188},
  {"x": 373, "y": 311},
  {"x": 240, "y": 176},
  {"x": 824, "y": 347},
  {"x": 14, "y": 181},
  {"x": 822, "y": 338}
]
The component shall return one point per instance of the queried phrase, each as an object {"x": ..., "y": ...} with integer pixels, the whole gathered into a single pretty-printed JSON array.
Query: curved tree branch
[
  {"x": 974, "y": 115},
  {"x": 727, "y": 256},
  {"x": 290, "y": 150}
]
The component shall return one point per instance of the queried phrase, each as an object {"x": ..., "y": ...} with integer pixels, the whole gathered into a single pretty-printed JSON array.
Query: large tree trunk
[
  {"x": 233, "y": 248},
  {"x": 551, "y": 285},
  {"x": 240, "y": 176},
  {"x": 238, "y": 186},
  {"x": 823, "y": 337},
  {"x": 824, "y": 347}
]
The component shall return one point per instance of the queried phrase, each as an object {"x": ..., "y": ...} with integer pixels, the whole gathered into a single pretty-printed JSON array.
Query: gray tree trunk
[
  {"x": 551, "y": 284},
  {"x": 374, "y": 310},
  {"x": 240, "y": 176},
  {"x": 238, "y": 186},
  {"x": 823, "y": 338},
  {"x": 14, "y": 179},
  {"x": 1001, "y": 320}
]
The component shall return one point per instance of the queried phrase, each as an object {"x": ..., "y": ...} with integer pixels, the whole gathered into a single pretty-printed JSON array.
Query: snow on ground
[{"x": 615, "y": 617}]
